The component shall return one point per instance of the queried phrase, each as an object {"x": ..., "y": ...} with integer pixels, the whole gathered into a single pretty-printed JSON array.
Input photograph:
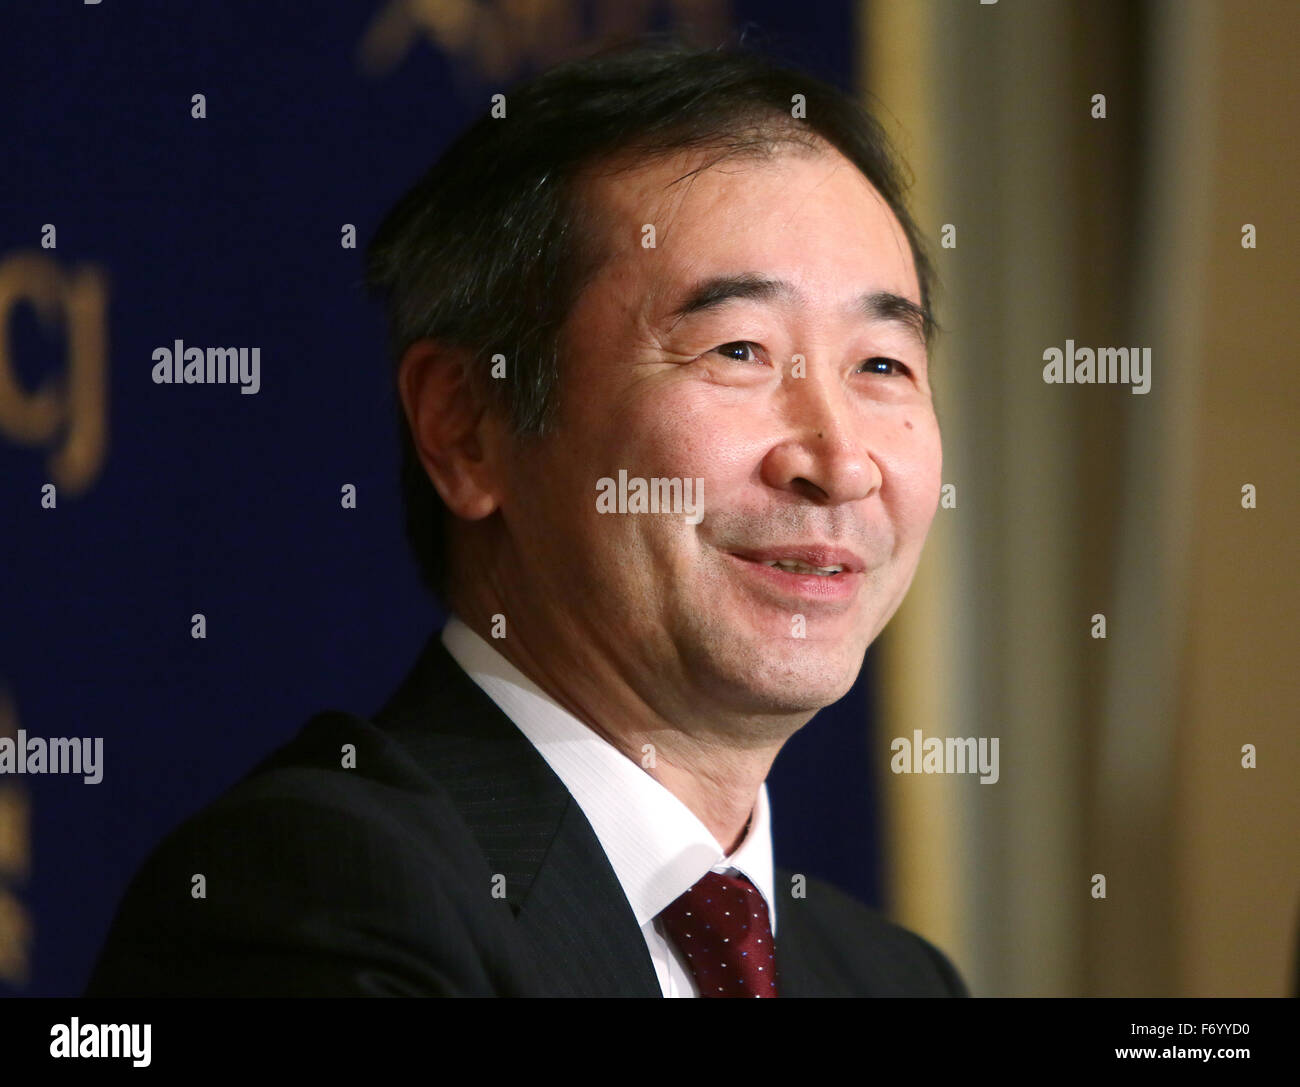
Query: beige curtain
[{"x": 1121, "y": 757}]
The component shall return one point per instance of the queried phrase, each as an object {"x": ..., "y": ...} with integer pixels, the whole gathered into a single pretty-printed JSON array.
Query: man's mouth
[
  {"x": 819, "y": 559},
  {"x": 810, "y": 572},
  {"x": 803, "y": 568}
]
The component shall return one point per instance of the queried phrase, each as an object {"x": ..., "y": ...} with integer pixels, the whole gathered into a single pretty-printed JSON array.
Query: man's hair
[{"x": 489, "y": 250}]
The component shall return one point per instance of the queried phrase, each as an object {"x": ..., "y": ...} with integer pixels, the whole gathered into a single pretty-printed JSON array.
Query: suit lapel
[
  {"x": 567, "y": 901},
  {"x": 795, "y": 972},
  {"x": 807, "y": 964}
]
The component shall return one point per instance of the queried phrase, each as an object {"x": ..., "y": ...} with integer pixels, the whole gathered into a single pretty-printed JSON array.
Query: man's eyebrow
[
  {"x": 895, "y": 309},
  {"x": 883, "y": 306},
  {"x": 717, "y": 291}
]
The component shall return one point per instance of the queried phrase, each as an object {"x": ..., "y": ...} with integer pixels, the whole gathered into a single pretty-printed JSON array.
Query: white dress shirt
[{"x": 656, "y": 845}]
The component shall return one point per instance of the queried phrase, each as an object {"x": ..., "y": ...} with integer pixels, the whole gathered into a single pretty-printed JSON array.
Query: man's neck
[{"x": 716, "y": 779}]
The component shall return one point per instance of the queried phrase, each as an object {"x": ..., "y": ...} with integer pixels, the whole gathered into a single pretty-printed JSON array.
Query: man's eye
[
  {"x": 880, "y": 366},
  {"x": 737, "y": 350}
]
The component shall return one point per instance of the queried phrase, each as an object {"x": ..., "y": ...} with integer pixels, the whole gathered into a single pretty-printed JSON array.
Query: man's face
[{"x": 834, "y": 459}]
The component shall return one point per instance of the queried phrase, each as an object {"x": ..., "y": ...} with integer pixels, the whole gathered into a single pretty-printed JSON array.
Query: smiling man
[{"x": 690, "y": 270}]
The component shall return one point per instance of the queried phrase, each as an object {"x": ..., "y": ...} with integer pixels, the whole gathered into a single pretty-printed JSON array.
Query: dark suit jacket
[{"x": 322, "y": 880}]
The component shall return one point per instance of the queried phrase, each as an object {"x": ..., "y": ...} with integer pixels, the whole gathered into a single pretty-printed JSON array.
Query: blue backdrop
[{"x": 126, "y": 224}]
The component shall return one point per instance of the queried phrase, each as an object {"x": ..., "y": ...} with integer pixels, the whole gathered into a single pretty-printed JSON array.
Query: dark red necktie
[{"x": 722, "y": 928}]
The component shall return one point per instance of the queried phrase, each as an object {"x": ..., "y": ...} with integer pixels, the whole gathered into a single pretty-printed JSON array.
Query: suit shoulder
[
  {"x": 339, "y": 791},
  {"x": 337, "y": 845}
]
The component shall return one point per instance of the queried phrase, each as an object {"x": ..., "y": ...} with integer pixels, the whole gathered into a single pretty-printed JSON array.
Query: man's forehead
[{"x": 719, "y": 215}]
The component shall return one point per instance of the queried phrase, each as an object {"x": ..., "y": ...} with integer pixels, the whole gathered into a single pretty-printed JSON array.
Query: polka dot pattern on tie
[{"x": 721, "y": 927}]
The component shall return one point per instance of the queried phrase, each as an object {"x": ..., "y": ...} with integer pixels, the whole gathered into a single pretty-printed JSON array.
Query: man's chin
[{"x": 789, "y": 680}]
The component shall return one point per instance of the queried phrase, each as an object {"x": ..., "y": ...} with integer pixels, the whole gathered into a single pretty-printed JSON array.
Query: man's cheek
[{"x": 916, "y": 489}]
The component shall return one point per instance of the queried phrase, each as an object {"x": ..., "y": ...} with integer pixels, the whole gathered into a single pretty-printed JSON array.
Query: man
[{"x": 661, "y": 328}]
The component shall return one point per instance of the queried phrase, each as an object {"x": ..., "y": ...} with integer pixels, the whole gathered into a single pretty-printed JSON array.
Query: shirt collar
[{"x": 656, "y": 845}]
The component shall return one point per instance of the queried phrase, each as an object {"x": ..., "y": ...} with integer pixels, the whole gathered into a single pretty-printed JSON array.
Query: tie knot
[{"x": 722, "y": 927}]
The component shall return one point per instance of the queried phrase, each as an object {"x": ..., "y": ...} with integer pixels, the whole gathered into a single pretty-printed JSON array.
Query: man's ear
[{"x": 447, "y": 423}]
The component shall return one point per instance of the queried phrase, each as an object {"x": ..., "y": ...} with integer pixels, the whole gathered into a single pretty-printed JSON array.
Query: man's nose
[{"x": 825, "y": 453}]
